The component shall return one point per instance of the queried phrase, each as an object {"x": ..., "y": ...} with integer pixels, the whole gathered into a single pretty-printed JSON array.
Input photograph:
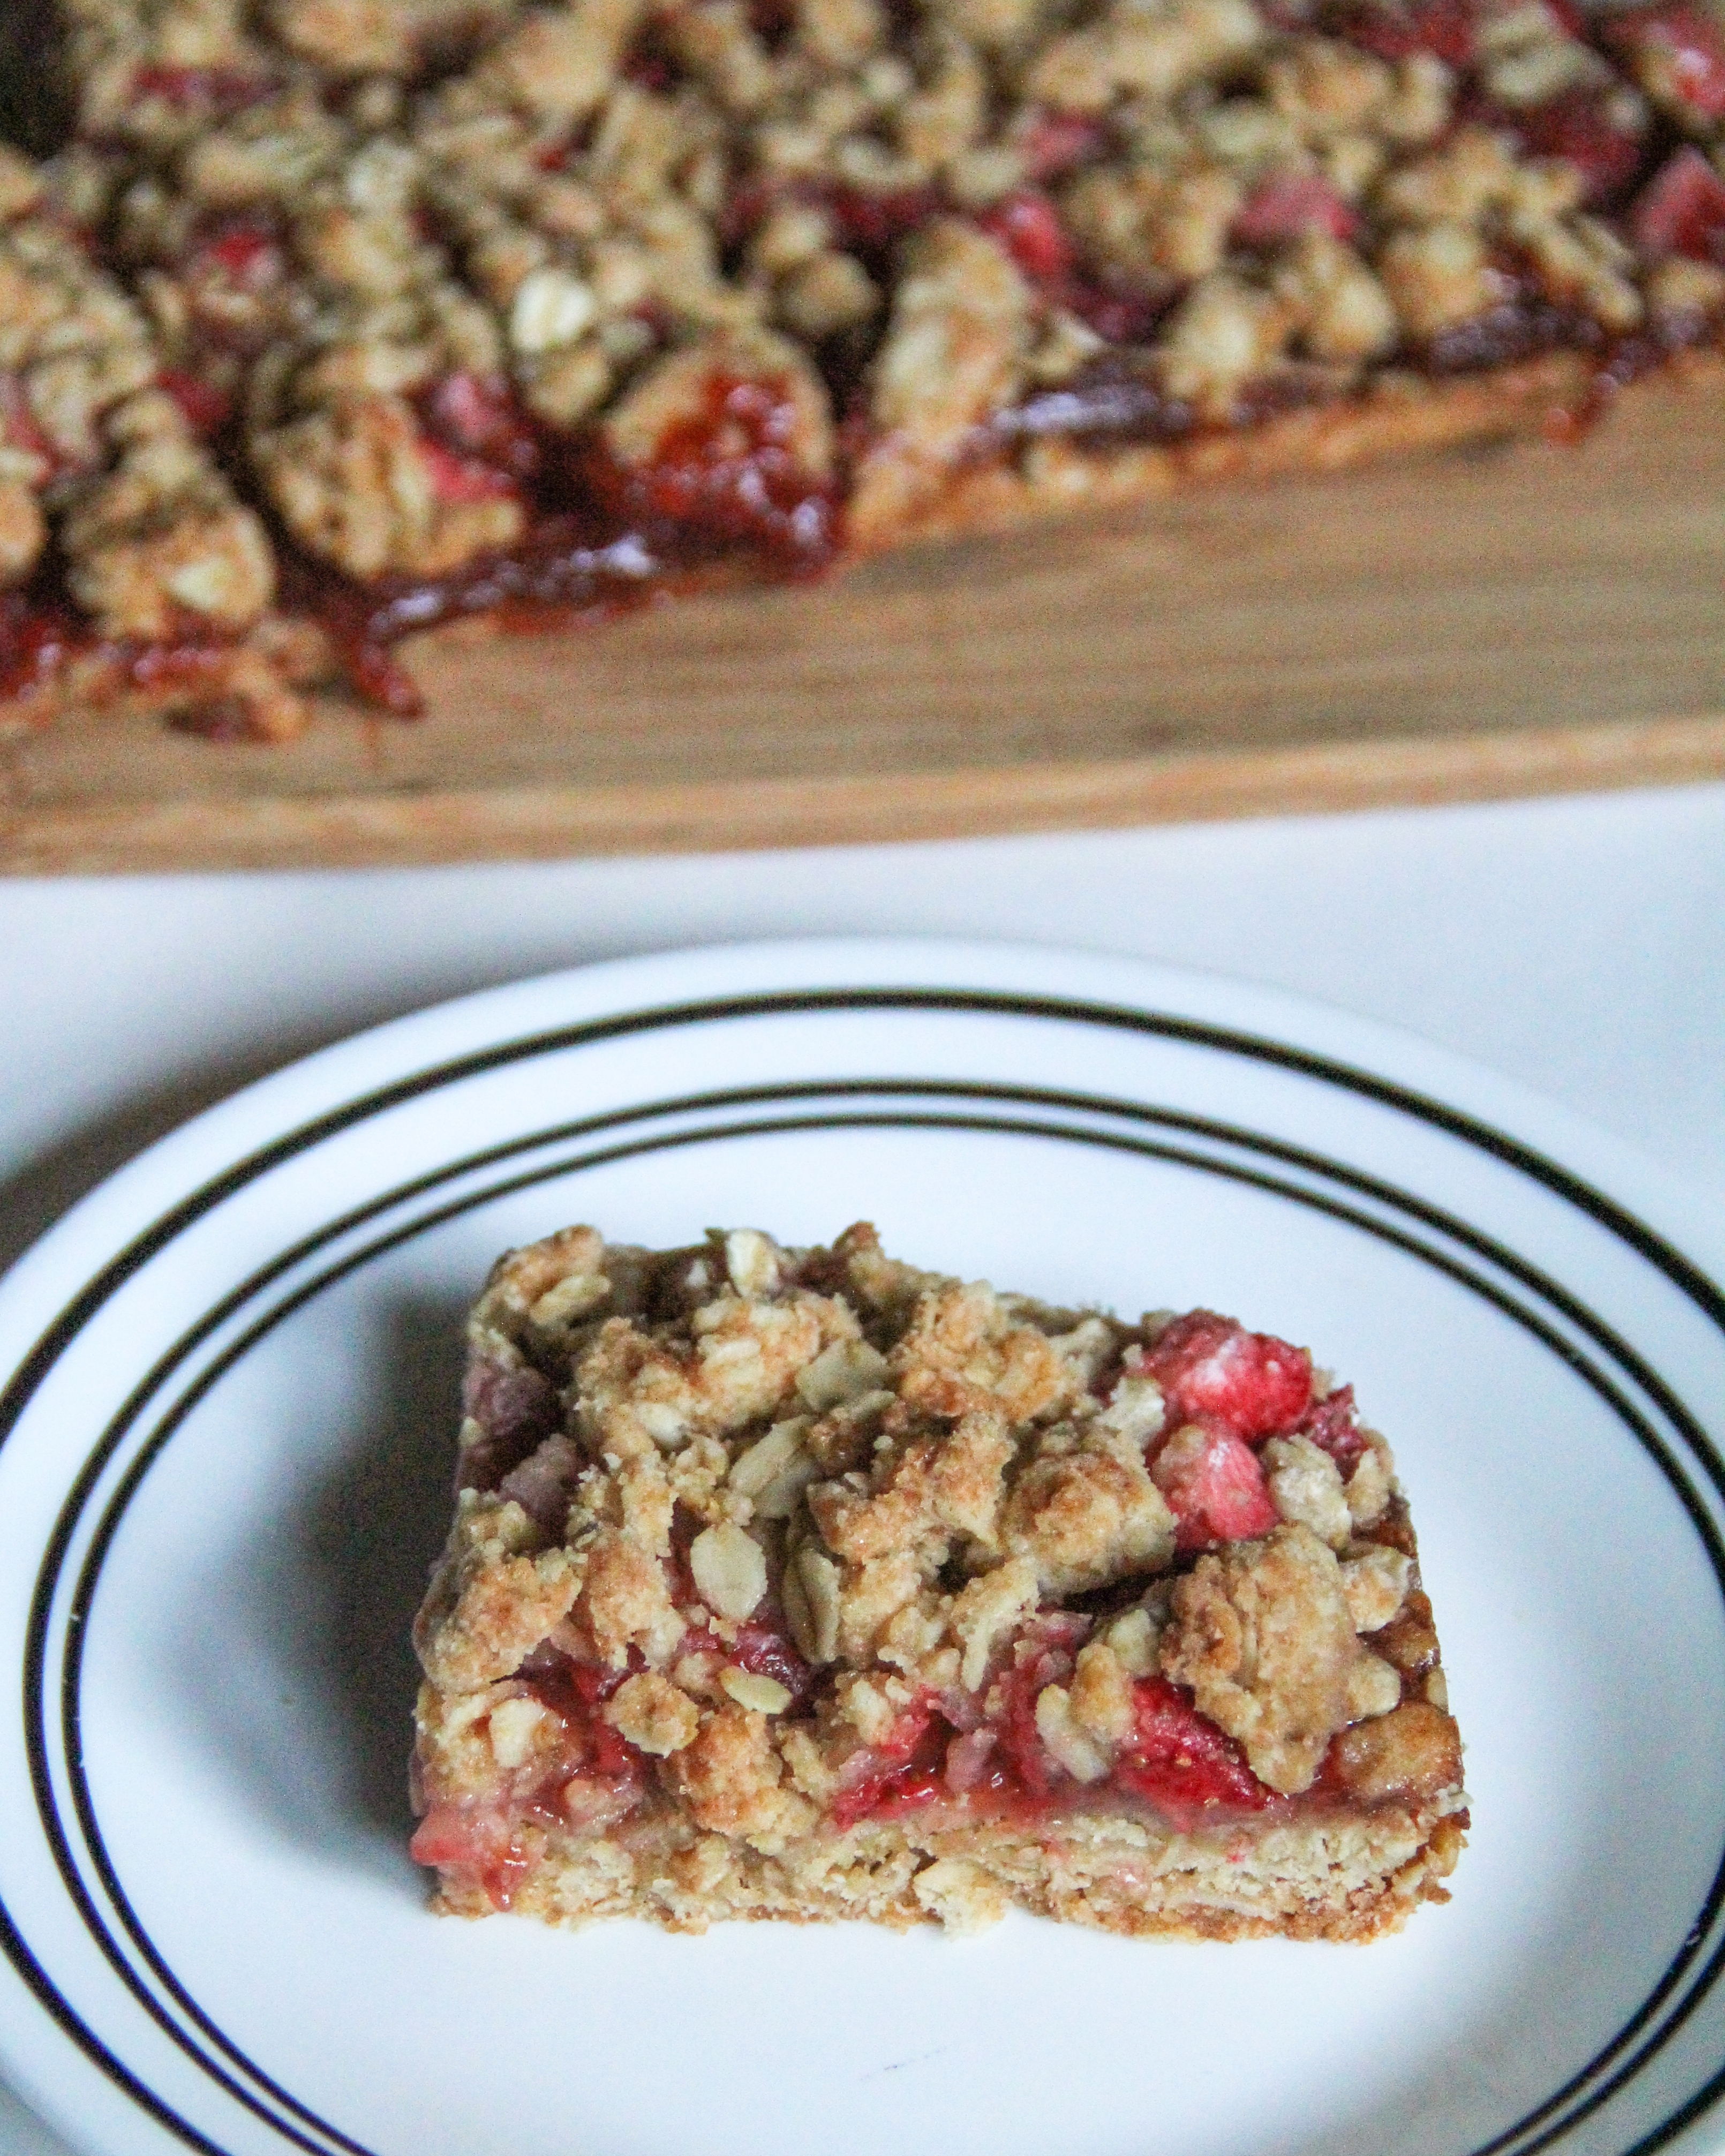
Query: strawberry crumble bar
[
  {"x": 804, "y": 1584},
  {"x": 486, "y": 309}
]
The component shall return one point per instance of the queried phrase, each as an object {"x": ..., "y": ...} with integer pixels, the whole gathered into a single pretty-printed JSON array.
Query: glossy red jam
[
  {"x": 604, "y": 538},
  {"x": 36, "y": 640},
  {"x": 726, "y": 476}
]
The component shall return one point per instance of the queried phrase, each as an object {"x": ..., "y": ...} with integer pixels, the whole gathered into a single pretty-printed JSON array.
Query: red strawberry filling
[
  {"x": 1001, "y": 1748},
  {"x": 1688, "y": 43},
  {"x": 455, "y": 478},
  {"x": 589, "y": 1777},
  {"x": 871, "y": 220},
  {"x": 35, "y": 643},
  {"x": 474, "y": 416},
  {"x": 728, "y": 474},
  {"x": 19, "y": 430},
  {"x": 904, "y": 1772},
  {"x": 473, "y": 1844},
  {"x": 1581, "y": 126},
  {"x": 219, "y": 91},
  {"x": 1333, "y": 1426},
  {"x": 1397, "y": 29},
  {"x": 246, "y": 252},
  {"x": 1183, "y": 1764},
  {"x": 1056, "y": 142},
  {"x": 1291, "y": 204},
  {"x": 603, "y": 536},
  {"x": 233, "y": 271},
  {"x": 1211, "y": 1369},
  {"x": 1173, "y": 1759},
  {"x": 764, "y": 1651},
  {"x": 1028, "y": 227},
  {"x": 1681, "y": 210},
  {"x": 207, "y": 409},
  {"x": 1214, "y": 1486}
]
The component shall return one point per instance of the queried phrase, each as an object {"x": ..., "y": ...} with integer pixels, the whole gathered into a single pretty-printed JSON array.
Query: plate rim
[
  {"x": 1361, "y": 1072},
  {"x": 1500, "y": 1105}
]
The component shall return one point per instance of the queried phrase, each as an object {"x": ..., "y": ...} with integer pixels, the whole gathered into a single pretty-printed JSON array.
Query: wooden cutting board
[{"x": 1521, "y": 620}]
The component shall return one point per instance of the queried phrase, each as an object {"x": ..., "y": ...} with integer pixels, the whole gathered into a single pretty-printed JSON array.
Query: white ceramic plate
[{"x": 223, "y": 1463}]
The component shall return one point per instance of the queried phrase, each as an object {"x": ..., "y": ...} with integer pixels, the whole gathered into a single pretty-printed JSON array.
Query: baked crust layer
[
  {"x": 807, "y": 1584},
  {"x": 1348, "y": 1881}
]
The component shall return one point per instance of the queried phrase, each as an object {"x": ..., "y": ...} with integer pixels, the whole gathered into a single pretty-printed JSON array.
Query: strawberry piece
[
  {"x": 460, "y": 1833},
  {"x": 1681, "y": 209},
  {"x": 1289, "y": 204},
  {"x": 971, "y": 1764},
  {"x": 465, "y": 409},
  {"x": 1183, "y": 1764},
  {"x": 1579, "y": 126},
  {"x": 1568, "y": 19},
  {"x": 19, "y": 426},
  {"x": 472, "y": 1843},
  {"x": 1019, "y": 1740},
  {"x": 35, "y": 642},
  {"x": 207, "y": 409},
  {"x": 1396, "y": 30},
  {"x": 908, "y": 1790},
  {"x": 1684, "y": 47},
  {"x": 1333, "y": 1426},
  {"x": 244, "y": 252},
  {"x": 213, "y": 89},
  {"x": 575, "y": 1692},
  {"x": 1042, "y": 1654},
  {"x": 903, "y": 1770},
  {"x": 766, "y": 1652},
  {"x": 868, "y": 220},
  {"x": 1054, "y": 143},
  {"x": 1212, "y": 1370},
  {"x": 873, "y": 220},
  {"x": 1214, "y": 1485},
  {"x": 727, "y": 472},
  {"x": 462, "y": 479},
  {"x": 609, "y": 1753},
  {"x": 596, "y": 1682},
  {"x": 1118, "y": 317},
  {"x": 379, "y": 678},
  {"x": 1028, "y": 227},
  {"x": 476, "y": 416}
]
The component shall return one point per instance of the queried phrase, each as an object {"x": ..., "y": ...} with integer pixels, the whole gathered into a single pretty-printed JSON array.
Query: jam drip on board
[
  {"x": 38, "y": 636},
  {"x": 604, "y": 536},
  {"x": 1117, "y": 397}
]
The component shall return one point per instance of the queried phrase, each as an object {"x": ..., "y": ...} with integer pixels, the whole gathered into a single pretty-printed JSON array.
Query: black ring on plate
[
  {"x": 1679, "y": 1269},
  {"x": 126, "y": 1487}
]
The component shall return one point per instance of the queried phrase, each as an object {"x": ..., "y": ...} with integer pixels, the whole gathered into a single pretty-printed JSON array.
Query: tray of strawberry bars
[{"x": 1033, "y": 413}]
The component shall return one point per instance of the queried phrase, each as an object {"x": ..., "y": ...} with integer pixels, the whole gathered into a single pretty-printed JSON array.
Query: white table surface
[{"x": 1576, "y": 946}]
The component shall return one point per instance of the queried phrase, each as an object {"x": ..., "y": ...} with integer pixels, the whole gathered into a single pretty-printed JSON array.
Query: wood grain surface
[{"x": 1524, "y": 619}]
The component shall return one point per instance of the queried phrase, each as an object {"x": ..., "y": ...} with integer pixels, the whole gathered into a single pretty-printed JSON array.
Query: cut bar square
[{"x": 806, "y": 1583}]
